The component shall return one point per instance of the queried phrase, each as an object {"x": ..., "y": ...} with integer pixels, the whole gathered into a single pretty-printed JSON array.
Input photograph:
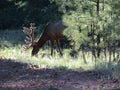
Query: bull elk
[{"x": 52, "y": 32}]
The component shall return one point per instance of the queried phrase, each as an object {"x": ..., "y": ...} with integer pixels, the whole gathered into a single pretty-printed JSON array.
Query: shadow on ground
[{"x": 20, "y": 76}]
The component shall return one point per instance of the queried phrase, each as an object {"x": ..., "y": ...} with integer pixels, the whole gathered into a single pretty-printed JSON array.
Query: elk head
[{"x": 30, "y": 38}]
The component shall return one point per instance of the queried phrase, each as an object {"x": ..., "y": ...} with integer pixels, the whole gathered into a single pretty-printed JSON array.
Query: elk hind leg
[{"x": 58, "y": 45}]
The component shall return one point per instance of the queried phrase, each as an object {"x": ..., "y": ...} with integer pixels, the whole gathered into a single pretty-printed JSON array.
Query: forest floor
[{"x": 20, "y": 76}]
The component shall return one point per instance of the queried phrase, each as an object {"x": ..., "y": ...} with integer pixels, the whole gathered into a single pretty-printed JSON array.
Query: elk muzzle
[{"x": 35, "y": 50}]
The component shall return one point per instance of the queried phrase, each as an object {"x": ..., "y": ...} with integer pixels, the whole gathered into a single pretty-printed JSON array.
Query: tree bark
[
  {"x": 98, "y": 47},
  {"x": 98, "y": 6}
]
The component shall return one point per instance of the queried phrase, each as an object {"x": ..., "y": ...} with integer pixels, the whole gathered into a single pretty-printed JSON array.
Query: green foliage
[
  {"x": 80, "y": 14},
  {"x": 90, "y": 23}
]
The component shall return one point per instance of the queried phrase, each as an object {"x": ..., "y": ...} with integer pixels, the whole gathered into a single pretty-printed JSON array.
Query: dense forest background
[
  {"x": 15, "y": 13},
  {"x": 92, "y": 24}
]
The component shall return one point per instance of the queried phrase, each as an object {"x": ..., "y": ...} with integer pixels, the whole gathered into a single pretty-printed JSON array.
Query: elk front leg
[
  {"x": 58, "y": 45},
  {"x": 52, "y": 44}
]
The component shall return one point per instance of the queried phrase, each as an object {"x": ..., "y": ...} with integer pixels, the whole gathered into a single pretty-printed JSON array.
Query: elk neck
[
  {"x": 43, "y": 38},
  {"x": 41, "y": 41}
]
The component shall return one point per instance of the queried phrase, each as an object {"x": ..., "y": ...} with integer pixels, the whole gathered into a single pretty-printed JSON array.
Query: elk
[{"x": 52, "y": 32}]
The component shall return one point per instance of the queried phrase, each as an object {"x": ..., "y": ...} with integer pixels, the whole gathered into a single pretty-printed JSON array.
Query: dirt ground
[{"x": 18, "y": 76}]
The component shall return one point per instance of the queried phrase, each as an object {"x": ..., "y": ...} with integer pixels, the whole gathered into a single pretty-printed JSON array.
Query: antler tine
[
  {"x": 30, "y": 36},
  {"x": 26, "y": 30},
  {"x": 32, "y": 28},
  {"x": 32, "y": 24}
]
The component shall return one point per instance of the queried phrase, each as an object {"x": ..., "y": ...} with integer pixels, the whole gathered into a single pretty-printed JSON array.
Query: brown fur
[{"x": 52, "y": 32}]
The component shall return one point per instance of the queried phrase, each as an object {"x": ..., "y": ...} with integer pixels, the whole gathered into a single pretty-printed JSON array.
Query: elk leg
[
  {"x": 52, "y": 44},
  {"x": 58, "y": 45}
]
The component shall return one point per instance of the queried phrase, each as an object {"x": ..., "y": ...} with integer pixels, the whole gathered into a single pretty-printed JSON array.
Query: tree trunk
[
  {"x": 114, "y": 49},
  {"x": 98, "y": 6},
  {"x": 93, "y": 40},
  {"x": 103, "y": 5},
  {"x": 105, "y": 52},
  {"x": 83, "y": 53},
  {"x": 109, "y": 50},
  {"x": 98, "y": 47}
]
